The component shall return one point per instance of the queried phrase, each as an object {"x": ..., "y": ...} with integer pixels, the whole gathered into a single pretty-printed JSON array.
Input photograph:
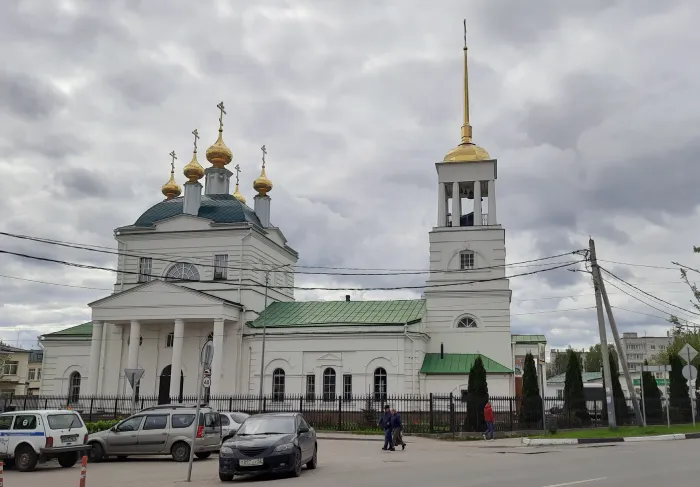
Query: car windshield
[
  {"x": 267, "y": 426},
  {"x": 64, "y": 421}
]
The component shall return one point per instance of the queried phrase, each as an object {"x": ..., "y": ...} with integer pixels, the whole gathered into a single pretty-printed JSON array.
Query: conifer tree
[
  {"x": 678, "y": 391},
  {"x": 574, "y": 400},
  {"x": 531, "y": 403},
  {"x": 477, "y": 395},
  {"x": 652, "y": 398}
]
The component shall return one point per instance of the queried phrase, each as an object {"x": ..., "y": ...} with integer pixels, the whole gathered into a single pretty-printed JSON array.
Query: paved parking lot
[{"x": 349, "y": 463}]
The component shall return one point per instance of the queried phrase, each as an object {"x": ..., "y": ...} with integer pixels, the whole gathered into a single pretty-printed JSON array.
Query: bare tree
[{"x": 5, "y": 357}]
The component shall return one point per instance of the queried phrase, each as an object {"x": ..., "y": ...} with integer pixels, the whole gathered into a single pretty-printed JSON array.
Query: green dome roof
[{"x": 220, "y": 208}]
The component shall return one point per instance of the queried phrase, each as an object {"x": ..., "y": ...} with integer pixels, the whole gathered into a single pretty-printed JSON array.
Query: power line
[
  {"x": 649, "y": 294},
  {"x": 426, "y": 286},
  {"x": 639, "y": 265},
  {"x": 385, "y": 272}
]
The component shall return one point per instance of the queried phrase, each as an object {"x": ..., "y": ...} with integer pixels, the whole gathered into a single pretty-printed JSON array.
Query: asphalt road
[{"x": 501, "y": 463}]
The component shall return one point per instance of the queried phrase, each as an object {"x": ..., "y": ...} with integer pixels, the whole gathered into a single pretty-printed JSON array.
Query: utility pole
[
  {"x": 605, "y": 351},
  {"x": 620, "y": 353}
]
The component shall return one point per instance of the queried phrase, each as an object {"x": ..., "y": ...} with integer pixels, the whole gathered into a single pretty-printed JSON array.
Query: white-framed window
[
  {"x": 467, "y": 322},
  {"x": 74, "y": 388},
  {"x": 32, "y": 374},
  {"x": 466, "y": 260},
  {"x": 278, "y": 383},
  {"x": 329, "y": 385},
  {"x": 347, "y": 387},
  {"x": 10, "y": 368},
  {"x": 169, "y": 340},
  {"x": 182, "y": 271},
  {"x": 560, "y": 393},
  {"x": 310, "y": 387},
  {"x": 220, "y": 267},
  {"x": 145, "y": 269},
  {"x": 380, "y": 384}
]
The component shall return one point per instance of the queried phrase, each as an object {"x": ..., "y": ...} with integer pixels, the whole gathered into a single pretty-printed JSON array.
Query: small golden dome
[
  {"x": 219, "y": 154},
  {"x": 193, "y": 170},
  {"x": 467, "y": 152},
  {"x": 237, "y": 194},
  {"x": 171, "y": 189},
  {"x": 262, "y": 185}
]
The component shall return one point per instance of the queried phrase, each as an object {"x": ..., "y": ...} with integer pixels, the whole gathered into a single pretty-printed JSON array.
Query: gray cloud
[{"x": 26, "y": 96}]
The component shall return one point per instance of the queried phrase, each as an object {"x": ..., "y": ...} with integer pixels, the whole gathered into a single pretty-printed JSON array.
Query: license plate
[
  {"x": 69, "y": 438},
  {"x": 251, "y": 462}
]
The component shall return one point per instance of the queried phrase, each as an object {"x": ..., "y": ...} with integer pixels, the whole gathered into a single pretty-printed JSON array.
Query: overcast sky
[{"x": 590, "y": 106}]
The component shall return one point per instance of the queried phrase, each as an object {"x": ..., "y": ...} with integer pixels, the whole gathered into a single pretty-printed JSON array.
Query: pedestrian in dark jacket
[
  {"x": 385, "y": 423},
  {"x": 396, "y": 429}
]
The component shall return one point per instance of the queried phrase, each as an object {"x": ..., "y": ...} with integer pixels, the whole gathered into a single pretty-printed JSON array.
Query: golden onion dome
[
  {"x": 171, "y": 189},
  {"x": 219, "y": 154},
  {"x": 467, "y": 152},
  {"x": 193, "y": 171},
  {"x": 262, "y": 185},
  {"x": 237, "y": 194}
]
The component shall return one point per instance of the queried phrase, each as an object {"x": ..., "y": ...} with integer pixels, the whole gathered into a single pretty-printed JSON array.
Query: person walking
[
  {"x": 385, "y": 422},
  {"x": 396, "y": 428},
  {"x": 490, "y": 420}
]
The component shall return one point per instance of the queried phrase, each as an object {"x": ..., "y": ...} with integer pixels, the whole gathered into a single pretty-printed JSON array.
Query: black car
[{"x": 269, "y": 443}]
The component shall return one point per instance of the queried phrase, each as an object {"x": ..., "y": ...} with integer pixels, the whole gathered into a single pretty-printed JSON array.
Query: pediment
[
  {"x": 156, "y": 294},
  {"x": 329, "y": 357}
]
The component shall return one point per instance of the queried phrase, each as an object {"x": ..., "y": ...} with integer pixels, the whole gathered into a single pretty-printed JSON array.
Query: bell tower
[{"x": 468, "y": 295}]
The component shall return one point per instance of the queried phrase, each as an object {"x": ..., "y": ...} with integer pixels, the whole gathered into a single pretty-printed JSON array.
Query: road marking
[{"x": 576, "y": 482}]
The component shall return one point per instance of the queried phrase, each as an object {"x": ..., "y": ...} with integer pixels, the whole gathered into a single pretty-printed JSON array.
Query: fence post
[
  {"x": 301, "y": 404},
  {"x": 25, "y": 403},
  {"x": 46, "y": 403},
  {"x": 432, "y": 426},
  {"x": 452, "y": 414},
  {"x": 116, "y": 405},
  {"x": 510, "y": 405},
  {"x": 340, "y": 413},
  {"x": 92, "y": 400},
  {"x": 230, "y": 403},
  {"x": 264, "y": 404}
]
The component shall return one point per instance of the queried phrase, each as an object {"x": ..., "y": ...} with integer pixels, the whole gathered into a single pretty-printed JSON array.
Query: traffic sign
[
  {"x": 207, "y": 382},
  {"x": 133, "y": 376},
  {"x": 207, "y": 372},
  {"x": 688, "y": 353},
  {"x": 690, "y": 372}
]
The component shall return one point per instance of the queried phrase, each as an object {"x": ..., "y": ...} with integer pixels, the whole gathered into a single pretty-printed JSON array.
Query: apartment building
[{"x": 638, "y": 349}]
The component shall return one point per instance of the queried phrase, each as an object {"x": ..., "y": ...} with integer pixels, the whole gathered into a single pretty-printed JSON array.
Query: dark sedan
[{"x": 269, "y": 443}]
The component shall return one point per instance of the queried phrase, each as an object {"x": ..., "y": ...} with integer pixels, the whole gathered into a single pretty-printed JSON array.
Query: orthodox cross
[
  {"x": 196, "y": 136},
  {"x": 172, "y": 164},
  {"x": 264, "y": 151},
  {"x": 220, "y": 106},
  {"x": 238, "y": 170}
]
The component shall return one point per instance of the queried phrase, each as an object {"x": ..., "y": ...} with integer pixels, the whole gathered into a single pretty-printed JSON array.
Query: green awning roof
[
  {"x": 339, "y": 313},
  {"x": 528, "y": 339},
  {"x": 75, "y": 331},
  {"x": 586, "y": 376},
  {"x": 458, "y": 363}
]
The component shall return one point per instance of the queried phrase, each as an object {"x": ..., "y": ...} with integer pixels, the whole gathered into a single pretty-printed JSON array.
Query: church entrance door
[{"x": 164, "y": 386}]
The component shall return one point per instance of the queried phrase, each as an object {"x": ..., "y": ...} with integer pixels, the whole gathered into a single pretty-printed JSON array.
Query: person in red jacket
[{"x": 490, "y": 420}]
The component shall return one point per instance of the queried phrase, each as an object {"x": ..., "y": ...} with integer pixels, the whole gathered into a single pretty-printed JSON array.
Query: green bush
[{"x": 98, "y": 426}]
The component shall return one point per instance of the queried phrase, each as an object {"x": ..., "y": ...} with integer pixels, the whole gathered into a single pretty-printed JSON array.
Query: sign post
[
  {"x": 133, "y": 376},
  {"x": 688, "y": 353},
  {"x": 203, "y": 380}
]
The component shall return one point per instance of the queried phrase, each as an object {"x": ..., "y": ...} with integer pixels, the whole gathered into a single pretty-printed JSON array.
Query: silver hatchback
[{"x": 160, "y": 430}]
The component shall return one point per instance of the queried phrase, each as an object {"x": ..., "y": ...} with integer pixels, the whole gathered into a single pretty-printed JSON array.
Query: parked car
[
  {"x": 271, "y": 443},
  {"x": 230, "y": 422},
  {"x": 160, "y": 430},
  {"x": 31, "y": 437}
]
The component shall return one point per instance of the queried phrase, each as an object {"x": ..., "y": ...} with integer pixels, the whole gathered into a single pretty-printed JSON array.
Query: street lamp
[
  {"x": 205, "y": 357},
  {"x": 264, "y": 321}
]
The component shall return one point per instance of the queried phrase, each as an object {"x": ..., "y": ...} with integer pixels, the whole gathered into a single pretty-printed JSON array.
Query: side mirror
[{"x": 303, "y": 429}]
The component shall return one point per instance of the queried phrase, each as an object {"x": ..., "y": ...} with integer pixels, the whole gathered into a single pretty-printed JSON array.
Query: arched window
[
  {"x": 380, "y": 384},
  {"x": 466, "y": 322},
  {"x": 74, "y": 388},
  {"x": 329, "y": 384},
  {"x": 278, "y": 385},
  {"x": 182, "y": 271}
]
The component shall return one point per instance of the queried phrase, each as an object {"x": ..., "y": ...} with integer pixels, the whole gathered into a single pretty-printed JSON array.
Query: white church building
[{"x": 203, "y": 265}]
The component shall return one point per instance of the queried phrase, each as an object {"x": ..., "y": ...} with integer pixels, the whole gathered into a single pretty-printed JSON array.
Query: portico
[{"x": 157, "y": 326}]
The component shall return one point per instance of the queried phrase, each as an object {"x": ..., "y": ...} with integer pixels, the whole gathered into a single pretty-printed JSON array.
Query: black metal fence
[{"x": 432, "y": 413}]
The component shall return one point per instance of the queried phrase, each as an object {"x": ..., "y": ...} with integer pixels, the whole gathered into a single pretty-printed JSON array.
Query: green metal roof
[
  {"x": 458, "y": 363},
  {"x": 75, "y": 331},
  {"x": 528, "y": 339},
  {"x": 221, "y": 208},
  {"x": 328, "y": 313},
  {"x": 586, "y": 376}
]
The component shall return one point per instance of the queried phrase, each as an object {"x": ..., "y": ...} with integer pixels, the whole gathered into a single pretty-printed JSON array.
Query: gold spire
[
  {"x": 194, "y": 170},
  {"x": 218, "y": 154},
  {"x": 171, "y": 189},
  {"x": 466, "y": 151},
  {"x": 237, "y": 194},
  {"x": 262, "y": 185}
]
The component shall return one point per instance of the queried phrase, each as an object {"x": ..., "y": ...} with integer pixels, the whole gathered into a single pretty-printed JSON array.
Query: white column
[
  {"x": 442, "y": 205},
  {"x": 456, "y": 205},
  {"x": 134, "y": 339},
  {"x": 95, "y": 347},
  {"x": 218, "y": 359},
  {"x": 492, "y": 203},
  {"x": 477, "y": 203},
  {"x": 176, "y": 364}
]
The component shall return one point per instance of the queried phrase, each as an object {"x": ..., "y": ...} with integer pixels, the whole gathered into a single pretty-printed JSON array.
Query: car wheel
[
  {"x": 181, "y": 452},
  {"x": 225, "y": 477},
  {"x": 96, "y": 452},
  {"x": 203, "y": 455},
  {"x": 296, "y": 472},
  {"x": 67, "y": 460},
  {"x": 313, "y": 463},
  {"x": 25, "y": 458}
]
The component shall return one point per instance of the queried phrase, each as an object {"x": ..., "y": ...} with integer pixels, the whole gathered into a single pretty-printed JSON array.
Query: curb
[
  {"x": 588, "y": 441},
  {"x": 348, "y": 438}
]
